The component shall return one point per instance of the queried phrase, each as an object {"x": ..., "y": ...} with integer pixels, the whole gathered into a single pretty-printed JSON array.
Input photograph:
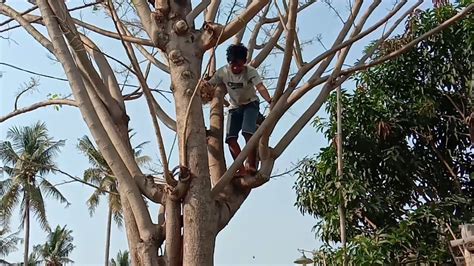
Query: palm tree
[
  {"x": 8, "y": 241},
  {"x": 101, "y": 175},
  {"x": 122, "y": 259},
  {"x": 28, "y": 158},
  {"x": 58, "y": 247}
]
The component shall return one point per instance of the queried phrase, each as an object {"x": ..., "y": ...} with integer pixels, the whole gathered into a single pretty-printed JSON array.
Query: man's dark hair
[{"x": 236, "y": 52}]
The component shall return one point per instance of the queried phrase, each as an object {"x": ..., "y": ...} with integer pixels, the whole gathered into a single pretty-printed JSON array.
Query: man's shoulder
[
  {"x": 222, "y": 69},
  {"x": 252, "y": 72},
  {"x": 251, "y": 69}
]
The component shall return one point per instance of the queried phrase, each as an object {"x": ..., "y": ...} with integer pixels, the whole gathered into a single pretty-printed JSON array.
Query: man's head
[{"x": 237, "y": 57}]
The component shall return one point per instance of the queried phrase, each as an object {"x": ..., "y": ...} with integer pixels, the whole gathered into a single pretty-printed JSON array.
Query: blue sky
[{"x": 267, "y": 229}]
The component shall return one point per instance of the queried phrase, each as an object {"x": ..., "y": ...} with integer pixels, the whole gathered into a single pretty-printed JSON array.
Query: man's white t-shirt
[{"x": 240, "y": 87}]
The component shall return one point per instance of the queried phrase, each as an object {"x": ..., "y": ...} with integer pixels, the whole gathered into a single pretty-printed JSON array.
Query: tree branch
[
  {"x": 36, "y": 106},
  {"x": 235, "y": 25},
  {"x": 196, "y": 11},
  {"x": 148, "y": 22},
  {"x": 290, "y": 38},
  {"x": 212, "y": 9},
  {"x": 129, "y": 191},
  {"x": 301, "y": 8},
  {"x": 240, "y": 35},
  {"x": 6, "y": 10},
  {"x": 146, "y": 90},
  {"x": 77, "y": 179},
  {"x": 215, "y": 140},
  {"x": 466, "y": 11},
  {"x": 256, "y": 30}
]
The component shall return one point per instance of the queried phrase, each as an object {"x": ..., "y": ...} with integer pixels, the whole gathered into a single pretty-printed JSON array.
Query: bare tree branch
[
  {"x": 196, "y": 11},
  {"x": 256, "y": 30},
  {"x": 144, "y": 12},
  {"x": 36, "y": 106},
  {"x": 290, "y": 38},
  {"x": 336, "y": 47},
  {"x": 6, "y": 10},
  {"x": 240, "y": 35},
  {"x": 211, "y": 11},
  {"x": 39, "y": 18},
  {"x": 235, "y": 25},
  {"x": 466, "y": 11}
]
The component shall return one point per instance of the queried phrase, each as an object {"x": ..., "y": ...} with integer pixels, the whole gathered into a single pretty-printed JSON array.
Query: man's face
[{"x": 237, "y": 66}]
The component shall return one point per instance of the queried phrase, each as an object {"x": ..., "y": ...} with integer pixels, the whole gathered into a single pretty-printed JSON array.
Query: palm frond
[
  {"x": 96, "y": 159},
  {"x": 10, "y": 200},
  {"x": 58, "y": 246},
  {"x": 93, "y": 201},
  {"x": 51, "y": 190},
  {"x": 118, "y": 219},
  {"x": 7, "y": 153},
  {"x": 37, "y": 207},
  {"x": 45, "y": 158},
  {"x": 123, "y": 258},
  {"x": 8, "y": 242},
  {"x": 93, "y": 175},
  {"x": 11, "y": 171},
  {"x": 5, "y": 185},
  {"x": 35, "y": 255}
]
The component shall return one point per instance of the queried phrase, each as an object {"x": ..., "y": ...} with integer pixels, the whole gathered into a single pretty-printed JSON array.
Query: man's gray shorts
[{"x": 242, "y": 118}]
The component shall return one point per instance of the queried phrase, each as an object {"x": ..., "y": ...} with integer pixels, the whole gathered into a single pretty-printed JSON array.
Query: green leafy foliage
[
  {"x": 122, "y": 259},
  {"x": 57, "y": 249},
  {"x": 28, "y": 156},
  {"x": 408, "y": 159},
  {"x": 102, "y": 176},
  {"x": 8, "y": 241}
]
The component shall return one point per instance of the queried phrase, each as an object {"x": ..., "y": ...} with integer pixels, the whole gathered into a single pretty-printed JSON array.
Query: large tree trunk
[
  {"x": 198, "y": 206},
  {"x": 107, "y": 239},
  {"x": 27, "y": 228}
]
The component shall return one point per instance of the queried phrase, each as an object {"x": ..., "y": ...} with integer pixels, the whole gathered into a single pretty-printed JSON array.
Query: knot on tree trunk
[
  {"x": 210, "y": 33},
  {"x": 180, "y": 27},
  {"x": 176, "y": 57},
  {"x": 178, "y": 192}
]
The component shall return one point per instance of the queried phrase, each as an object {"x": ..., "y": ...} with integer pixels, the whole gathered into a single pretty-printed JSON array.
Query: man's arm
[{"x": 264, "y": 92}]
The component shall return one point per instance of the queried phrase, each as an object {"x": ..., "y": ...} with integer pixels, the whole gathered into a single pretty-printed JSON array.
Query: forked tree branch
[
  {"x": 196, "y": 11},
  {"x": 330, "y": 54},
  {"x": 256, "y": 30}
]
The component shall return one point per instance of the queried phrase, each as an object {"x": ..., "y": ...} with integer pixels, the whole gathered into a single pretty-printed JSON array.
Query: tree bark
[
  {"x": 198, "y": 206},
  {"x": 107, "y": 239},
  {"x": 27, "y": 228}
]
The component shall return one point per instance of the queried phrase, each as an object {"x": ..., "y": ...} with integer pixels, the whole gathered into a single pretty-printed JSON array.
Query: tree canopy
[{"x": 408, "y": 159}]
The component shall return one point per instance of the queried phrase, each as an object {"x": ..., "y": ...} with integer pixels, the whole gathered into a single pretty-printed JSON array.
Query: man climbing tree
[
  {"x": 241, "y": 80},
  {"x": 197, "y": 205}
]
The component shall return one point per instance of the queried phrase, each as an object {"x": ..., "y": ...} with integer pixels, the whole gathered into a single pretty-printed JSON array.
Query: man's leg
[
  {"x": 234, "y": 125},
  {"x": 234, "y": 147},
  {"x": 251, "y": 165},
  {"x": 249, "y": 126}
]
